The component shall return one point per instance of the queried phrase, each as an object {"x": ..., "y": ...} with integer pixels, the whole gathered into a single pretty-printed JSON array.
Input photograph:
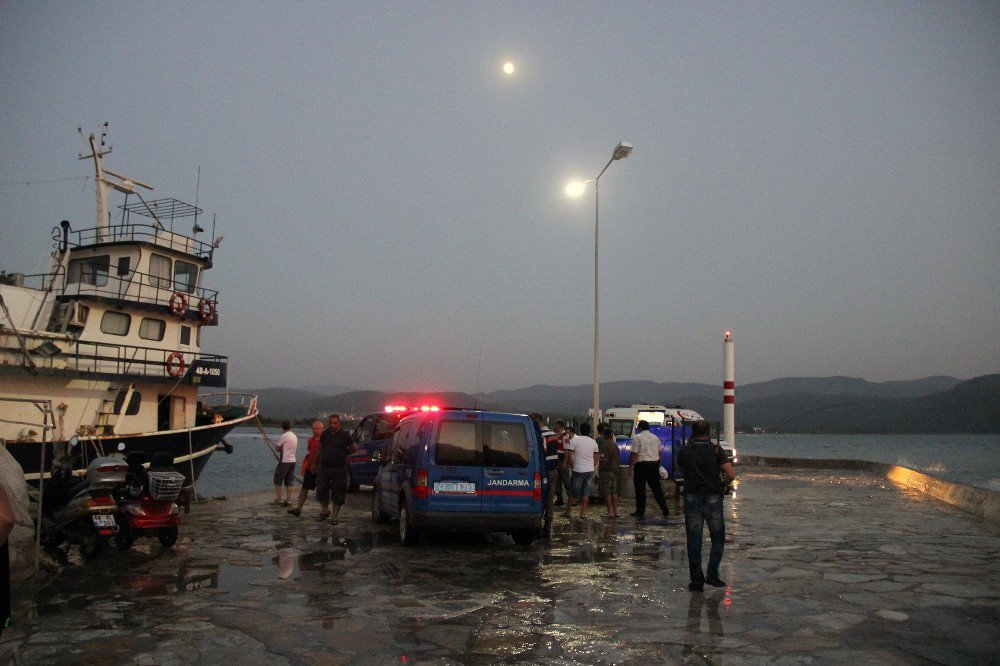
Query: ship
[{"x": 103, "y": 353}]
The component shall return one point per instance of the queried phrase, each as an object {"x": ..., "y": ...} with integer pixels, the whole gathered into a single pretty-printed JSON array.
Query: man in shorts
[
  {"x": 308, "y": 468},
  {"x": 284, "y": 473},
  {"x": 581, "y": 457},
  {"x": 607, "y": 472}
]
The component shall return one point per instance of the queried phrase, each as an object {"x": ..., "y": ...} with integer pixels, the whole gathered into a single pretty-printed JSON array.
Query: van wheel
[
  {"x": 352, "y": 486},
  {"x": 378, "y": 515},
  {"x": 408, "y": 534},
  {"x": 523, "y": 537}
]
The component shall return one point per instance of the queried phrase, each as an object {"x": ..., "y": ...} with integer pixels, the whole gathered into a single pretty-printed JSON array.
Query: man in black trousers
[{"x": 644, "y": 466}]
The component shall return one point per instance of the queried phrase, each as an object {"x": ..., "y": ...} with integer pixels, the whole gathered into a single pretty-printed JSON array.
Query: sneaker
[
  {"x": 696, "y": 587},
  {"x": 715, "y": 582}
]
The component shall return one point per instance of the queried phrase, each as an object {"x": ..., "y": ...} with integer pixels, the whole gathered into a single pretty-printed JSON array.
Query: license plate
[
  {"x": 104, "y": 520},
  {"x": 454, "y": 487}
]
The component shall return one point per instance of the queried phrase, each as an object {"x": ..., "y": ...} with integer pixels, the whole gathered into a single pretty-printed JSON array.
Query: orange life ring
[
  {"x": 178, "y": 303},
  {"x": 206, "y": 310},
  {"x": 175, "y": 365}
]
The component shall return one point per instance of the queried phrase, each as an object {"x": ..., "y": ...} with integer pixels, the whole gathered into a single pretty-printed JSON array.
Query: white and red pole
[{"x": 728, "y": 392}]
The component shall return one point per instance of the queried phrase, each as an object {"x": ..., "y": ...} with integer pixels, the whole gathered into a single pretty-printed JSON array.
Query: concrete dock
[{"x": 823, "y": 566}]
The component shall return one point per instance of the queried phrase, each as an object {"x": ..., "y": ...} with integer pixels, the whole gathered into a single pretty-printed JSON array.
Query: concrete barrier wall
[{"x": 977, "y": 501}]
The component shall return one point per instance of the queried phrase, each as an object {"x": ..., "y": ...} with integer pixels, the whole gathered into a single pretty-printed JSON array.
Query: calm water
[{"x": 969, "y": 459}]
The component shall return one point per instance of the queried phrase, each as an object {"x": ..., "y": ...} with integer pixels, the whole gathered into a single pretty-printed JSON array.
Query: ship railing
[
  {"x": 140, "y": 288},
  {"x": 87, "y": 357},
  {"x": 135, "y": 287},
  {"x": 129, "y": 232}
]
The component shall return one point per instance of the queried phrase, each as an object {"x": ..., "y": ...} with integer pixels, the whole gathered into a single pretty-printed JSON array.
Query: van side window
[
  {"x": 457, "y": 445},
  {"x": 505, "y": 444},
  {"x": 396, "y": 447},
  {"x": 363, "y": 433},
  {"x": 411, "y": 447},
  {"x": 383, "y": 428}
]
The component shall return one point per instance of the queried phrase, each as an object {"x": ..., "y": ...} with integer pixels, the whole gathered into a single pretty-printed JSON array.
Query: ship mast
[{"x": 103, "y": 186}]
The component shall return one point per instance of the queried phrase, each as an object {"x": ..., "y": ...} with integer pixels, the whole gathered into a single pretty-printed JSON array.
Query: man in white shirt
[
  {"x": 582, "y": 455},
  {"x": 644, "y": 466},
  {"x": 284, "y": 473}
]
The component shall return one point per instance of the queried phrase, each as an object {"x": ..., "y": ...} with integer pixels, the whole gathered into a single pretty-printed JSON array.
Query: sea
[{"x": 969, "y": 459}]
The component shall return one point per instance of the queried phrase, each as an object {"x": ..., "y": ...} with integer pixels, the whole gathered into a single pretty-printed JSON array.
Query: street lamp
[{"x": 622, "y": 150}]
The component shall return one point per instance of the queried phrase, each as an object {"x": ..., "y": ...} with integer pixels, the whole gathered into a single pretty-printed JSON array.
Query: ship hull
[{"x": 191, "y": 448}]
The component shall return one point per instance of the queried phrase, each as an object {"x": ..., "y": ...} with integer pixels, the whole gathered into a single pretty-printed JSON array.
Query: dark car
[
  {"x": 372, "y": 435},
  {"x": 462, "y": 469}
]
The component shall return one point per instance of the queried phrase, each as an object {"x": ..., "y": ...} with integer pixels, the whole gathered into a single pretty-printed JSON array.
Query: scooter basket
[{"x": 164, "y": 486}]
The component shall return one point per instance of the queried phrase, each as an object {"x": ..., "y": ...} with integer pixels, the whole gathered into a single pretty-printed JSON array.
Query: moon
[{"x": 508, "y": 68}]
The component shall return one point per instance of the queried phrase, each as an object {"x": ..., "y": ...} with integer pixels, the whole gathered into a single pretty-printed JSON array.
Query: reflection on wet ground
[{"x": 821, "y": 567}]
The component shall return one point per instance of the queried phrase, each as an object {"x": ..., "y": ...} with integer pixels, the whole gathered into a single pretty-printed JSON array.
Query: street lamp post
[{"x": 622, "y": 150}]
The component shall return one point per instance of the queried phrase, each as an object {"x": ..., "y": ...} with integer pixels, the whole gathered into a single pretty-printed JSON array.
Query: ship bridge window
[
  {"x": 152, "y": 329},
  {"x": 115, "y": 323},
  {"x": 159, "y": 271},
  {"x": 185, "y": 335},
  {"x": 185, "y": 276},
  {"x": 89, "y": 270}
]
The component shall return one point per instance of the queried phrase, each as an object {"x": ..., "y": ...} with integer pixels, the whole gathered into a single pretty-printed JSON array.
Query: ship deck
[{"x": 823, "y": 566}]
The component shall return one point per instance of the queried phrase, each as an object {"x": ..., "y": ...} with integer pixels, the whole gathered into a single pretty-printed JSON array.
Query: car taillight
[
  {"x": 420, "y": 489},
  {"x": 537, "y": 492}
]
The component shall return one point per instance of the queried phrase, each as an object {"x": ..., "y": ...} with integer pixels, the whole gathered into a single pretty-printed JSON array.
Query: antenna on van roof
[{"x": 479, "y": 365}]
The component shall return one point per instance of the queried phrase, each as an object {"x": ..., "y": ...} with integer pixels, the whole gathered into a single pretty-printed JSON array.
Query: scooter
[
  {"x": 147, "y": 500},
  {"x": 81, "y": 511}
]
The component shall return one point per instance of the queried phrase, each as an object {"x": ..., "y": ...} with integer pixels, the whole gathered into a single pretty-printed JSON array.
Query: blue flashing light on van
[{"x": 462, "y": 469}]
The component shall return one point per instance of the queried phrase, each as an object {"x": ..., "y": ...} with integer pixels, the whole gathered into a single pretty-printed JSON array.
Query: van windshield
[{"x": 622, "y": 427}]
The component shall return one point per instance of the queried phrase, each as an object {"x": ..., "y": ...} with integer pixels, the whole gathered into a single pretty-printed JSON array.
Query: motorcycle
[
  {"x": 81, "y": 511},
  {"x": 147, "y": 500}
]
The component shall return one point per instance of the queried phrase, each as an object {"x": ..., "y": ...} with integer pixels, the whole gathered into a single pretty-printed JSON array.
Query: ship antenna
[
  {"x": 479, "y": 366},
  {"x": 197, "y": 191}
]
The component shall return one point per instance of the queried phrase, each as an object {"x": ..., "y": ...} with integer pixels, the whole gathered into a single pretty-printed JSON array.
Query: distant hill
[{"x": 792, "y": 404}]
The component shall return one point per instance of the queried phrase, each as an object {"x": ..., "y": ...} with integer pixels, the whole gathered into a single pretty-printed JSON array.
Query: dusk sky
[{"x": 821, "y": 178}]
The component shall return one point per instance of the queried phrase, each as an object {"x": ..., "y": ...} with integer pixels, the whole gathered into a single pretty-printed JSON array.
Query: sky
[{"x": 822, "y": 179}]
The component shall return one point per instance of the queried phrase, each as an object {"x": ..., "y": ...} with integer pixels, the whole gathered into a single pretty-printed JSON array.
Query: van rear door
[
  {"x": 455, "y": 478},
  {"x": 510, "y": 467}
]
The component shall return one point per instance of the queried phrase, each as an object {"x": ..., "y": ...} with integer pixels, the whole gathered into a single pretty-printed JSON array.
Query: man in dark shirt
[
  {"x": 331, "y": 476},
  {"x": 703, "y": 463}
]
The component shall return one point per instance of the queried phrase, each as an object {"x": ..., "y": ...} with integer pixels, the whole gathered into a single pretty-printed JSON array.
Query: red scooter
[{"x": 147, "y": 502}]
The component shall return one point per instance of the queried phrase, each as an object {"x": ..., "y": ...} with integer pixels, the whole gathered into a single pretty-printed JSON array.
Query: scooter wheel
[
  {"x": 167, "y": 536},
  {"x": 124, "y": 538},
  {"x": 92, "y": 546}
]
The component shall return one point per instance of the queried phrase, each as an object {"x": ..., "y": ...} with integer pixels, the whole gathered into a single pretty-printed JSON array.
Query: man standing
[
  {"x": 309, "y": 468},
  {"x": 550, "y": 443},
  {"x": 607, "y": 474},
  {"x": 563, "y": 483},
  {"x": 286, "y": 447},
  {"x": 644, "y": 466},
  {"x": 703, "y": 465},
  {"x": 582, "y": 457},
  {"x": 331, "y": 477}
]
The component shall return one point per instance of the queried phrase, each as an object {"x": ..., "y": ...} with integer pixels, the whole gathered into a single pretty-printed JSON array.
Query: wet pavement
[{"x": 822, "y": 566}]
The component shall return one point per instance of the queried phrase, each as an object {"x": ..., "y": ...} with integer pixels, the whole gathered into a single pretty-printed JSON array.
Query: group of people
[
  {"x": 574, "y": 460},
  {"x": 324, "y": 469}
]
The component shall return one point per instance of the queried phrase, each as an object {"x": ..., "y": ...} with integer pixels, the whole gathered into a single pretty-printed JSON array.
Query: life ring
[
  {"x": 178, "y": 303},
  {"x": 206, "y": 310},
  {"x": 175, "y": 365}
]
